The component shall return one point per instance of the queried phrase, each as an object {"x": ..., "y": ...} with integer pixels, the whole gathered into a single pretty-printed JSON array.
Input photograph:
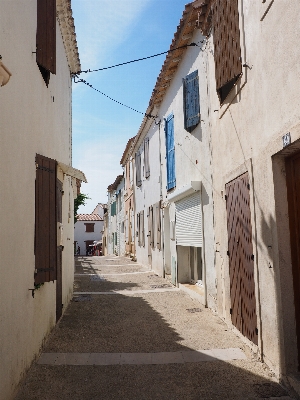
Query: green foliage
[{"x": 79, "y": 201}]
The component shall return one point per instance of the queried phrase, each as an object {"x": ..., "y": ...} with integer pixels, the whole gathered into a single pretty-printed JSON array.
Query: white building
[
  {"x": 87, "y": 231},
  {"x": 236, "y": 165},
  {"x": 38, "y": 184},
  {"x": 115, "y": 217},
  {"x": 173, "y": 187}
]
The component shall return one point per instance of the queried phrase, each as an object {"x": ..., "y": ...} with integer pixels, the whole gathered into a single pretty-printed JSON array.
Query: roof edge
[{"x": 67, "y": 27}]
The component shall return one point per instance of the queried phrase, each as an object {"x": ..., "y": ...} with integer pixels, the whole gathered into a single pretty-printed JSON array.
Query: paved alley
[{"x": 129, "y": 334}]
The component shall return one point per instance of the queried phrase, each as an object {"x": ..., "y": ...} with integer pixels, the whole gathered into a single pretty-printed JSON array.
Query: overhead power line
[
  {"x": 138, "y": 59},
  {"x": 116, "y": 101}
]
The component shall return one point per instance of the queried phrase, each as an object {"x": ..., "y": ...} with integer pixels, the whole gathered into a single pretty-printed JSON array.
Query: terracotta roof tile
[{"x": 89, "y": 217}]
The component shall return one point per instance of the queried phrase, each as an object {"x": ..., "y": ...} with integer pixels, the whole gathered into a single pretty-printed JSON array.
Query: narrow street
[{"x": 129, "y": 334}]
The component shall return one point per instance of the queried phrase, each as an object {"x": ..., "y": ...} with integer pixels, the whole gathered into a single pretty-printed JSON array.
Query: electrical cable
[
  {"x": 128, "y": 62},
  {"x": 138, "y": 59},
  {"x": 116, "y": 101}
]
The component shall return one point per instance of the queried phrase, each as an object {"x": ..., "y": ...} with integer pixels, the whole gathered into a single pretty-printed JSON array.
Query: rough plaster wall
[
  {"x": 31, "y": 122},
  {"x": 249, "y": 133}
]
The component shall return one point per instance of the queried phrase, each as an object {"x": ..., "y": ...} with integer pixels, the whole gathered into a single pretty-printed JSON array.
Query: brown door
[
  {"x": 293, "y": 192},
  {"x": 241, "y": 258},
  {"x": 59, "y": 304},
  {"x": 149, "y": 235}
]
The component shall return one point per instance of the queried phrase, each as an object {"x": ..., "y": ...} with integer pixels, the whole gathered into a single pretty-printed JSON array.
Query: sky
[{"x": 110, "y": 32}]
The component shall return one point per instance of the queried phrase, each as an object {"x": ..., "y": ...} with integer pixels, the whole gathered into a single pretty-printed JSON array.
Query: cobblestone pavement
[{"x": 129, "y": 334}]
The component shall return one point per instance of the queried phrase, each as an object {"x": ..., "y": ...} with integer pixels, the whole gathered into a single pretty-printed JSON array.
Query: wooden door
[
  {"x": 241, "y": 258},
  {"x": 59, "y": 304},
  {"x": 293, "y": 192},
  {"x": 149, "y": 235}
]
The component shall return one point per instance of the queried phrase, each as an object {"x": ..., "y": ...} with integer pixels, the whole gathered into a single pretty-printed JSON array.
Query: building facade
[{"x": 38, "y": 183}]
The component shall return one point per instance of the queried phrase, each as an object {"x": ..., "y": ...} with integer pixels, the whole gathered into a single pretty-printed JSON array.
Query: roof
[
  {"x": 99, "y": 204},
  {"x": 194, "y": 15},
  {"x": 127, "y": 149},
  {"x": 89, "y": 217},
  {"x": 67, "y": 27},
  {"x": 114, "y": 185}
]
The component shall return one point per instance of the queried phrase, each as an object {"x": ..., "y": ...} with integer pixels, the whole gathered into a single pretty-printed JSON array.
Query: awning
[{"x": 75, "y": 173}]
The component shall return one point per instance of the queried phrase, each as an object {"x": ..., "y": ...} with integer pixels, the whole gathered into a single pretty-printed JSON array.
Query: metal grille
[
  {"x": 226, "y": 42},
  {"x": 241, "y": 259}
]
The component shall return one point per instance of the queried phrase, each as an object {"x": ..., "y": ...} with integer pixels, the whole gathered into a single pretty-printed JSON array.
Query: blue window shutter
[
  {"x": 191, "y": 101},
  {"x": 170, "y": 152}
]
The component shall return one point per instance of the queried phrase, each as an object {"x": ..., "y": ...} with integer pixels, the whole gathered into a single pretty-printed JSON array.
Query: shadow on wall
[{"x": 130, "y": 324}]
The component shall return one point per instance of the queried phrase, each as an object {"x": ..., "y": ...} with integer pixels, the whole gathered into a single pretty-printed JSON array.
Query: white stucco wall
[
  {"x": 192, "y": 163},
  {"x": 33, "y": 119},
  {"x": 148, "y": 194},
  {"x": 80, "y": 235},
  {"x": 120, "y": 219}
]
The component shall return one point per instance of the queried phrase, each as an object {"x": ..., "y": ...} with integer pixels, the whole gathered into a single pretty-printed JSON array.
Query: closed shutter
[
  {"x": 138, "y": 169},
  {"x": 170, "y": 152},
  {"x": 46, "y": 35},
  {"x": 142, "y": 228},
  {"x": 126, "y": 229},
  {"x": 189, "y": 221},
  {"x": 113, "y": 209},
  {"x": 149, "y": 231},
  {"x": 227, "y": 54},
  {"x": 158, "y": 225},
  {"x": 138, "y": 227},
  {"x": 132, "y": 225},
  {"x": 45, "y": 220},
  {"x": 146, "y": 158},
  {"x": 152, "y": 221},
  {"x": 59, "y": 305},
  {"x": 191, "y": 101}
]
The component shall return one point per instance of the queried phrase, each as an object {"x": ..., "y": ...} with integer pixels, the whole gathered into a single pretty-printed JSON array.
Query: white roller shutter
[{"x": 189, "y": 221}]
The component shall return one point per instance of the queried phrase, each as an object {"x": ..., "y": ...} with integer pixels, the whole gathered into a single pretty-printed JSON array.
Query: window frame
[{"x": 90, "y": 225}]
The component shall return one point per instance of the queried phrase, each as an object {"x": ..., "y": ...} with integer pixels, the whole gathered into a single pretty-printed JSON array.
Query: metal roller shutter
[{"x": 189, "y": 221}]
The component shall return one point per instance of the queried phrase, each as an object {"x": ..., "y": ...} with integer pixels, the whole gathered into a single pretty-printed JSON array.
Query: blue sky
[{"x": 111, "y": 32}]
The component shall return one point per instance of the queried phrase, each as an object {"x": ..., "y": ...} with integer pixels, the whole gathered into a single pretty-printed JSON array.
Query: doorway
[
  {"x": 293, "y": 196},
  {"x": 241, "y": 258}
]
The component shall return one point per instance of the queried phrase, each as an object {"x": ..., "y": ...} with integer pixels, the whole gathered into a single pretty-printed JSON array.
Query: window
[
  {"x": 146, "y": 158},
  {"x": 113, "y": 209},
  {"x": 140, "y": 227},
  {"x": 191, "y": 103},
  {"x": 226, "y": 34},
  {"x": 89, "y": 227},
  {"x": 138, "y": 169},
  {"x": 46, "y": 38},
  {"x": 170, "y": 152},
  {"x": 46, "y": 203}
]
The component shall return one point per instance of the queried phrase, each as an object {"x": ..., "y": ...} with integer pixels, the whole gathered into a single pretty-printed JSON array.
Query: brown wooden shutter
[
  {"x": 59, "y": 305},
  {"x": 89, "y": 227},
  {"x": 46, "y": 35},
  {"x": 142, "y": 228},
  {"x": 158, "y": 226},
  {"x": 45, "y": 220},
  {"x": 226, "y": 33}
]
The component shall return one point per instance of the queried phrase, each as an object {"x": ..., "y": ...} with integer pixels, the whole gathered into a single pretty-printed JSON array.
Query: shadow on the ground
[{"x": 115, "y": 323}]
